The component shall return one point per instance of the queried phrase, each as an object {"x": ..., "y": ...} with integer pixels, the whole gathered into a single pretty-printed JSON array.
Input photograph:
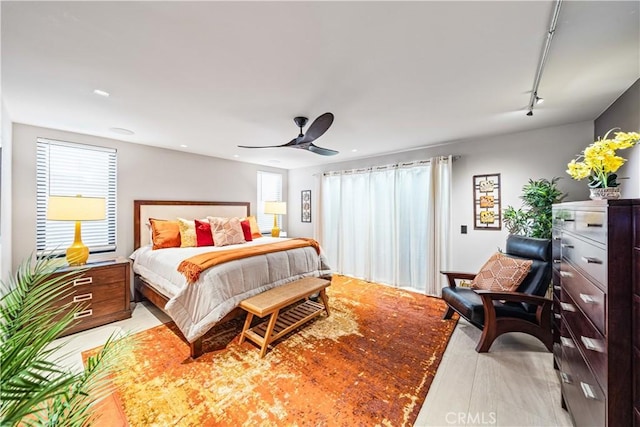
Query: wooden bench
[{"x": 272, "y": 301}]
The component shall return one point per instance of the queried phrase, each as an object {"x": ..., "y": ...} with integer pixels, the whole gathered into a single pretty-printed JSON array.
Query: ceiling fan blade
[
  {"x": 317, "y": 128},
  {"x": 288, "y": 144},
  {"x": 322, "y": 151}
]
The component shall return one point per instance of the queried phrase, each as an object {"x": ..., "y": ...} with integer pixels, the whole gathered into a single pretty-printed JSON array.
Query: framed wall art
[
  {"x": 487, "y": 214},
  {"x": 305, "y": 198}
]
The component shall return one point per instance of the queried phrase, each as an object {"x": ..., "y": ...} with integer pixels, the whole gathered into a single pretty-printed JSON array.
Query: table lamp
[
  {"x": 275, "y": 208},
  {"x": 78, "y": 208}
]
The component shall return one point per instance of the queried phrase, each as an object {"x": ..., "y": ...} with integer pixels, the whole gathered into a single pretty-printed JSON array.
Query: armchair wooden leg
[
  {"x": 447, "y": 315},
  {"x": 486, "y": 339}
]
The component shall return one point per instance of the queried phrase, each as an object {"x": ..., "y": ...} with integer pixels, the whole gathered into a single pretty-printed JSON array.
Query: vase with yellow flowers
[{"x": 599, "y": 162}]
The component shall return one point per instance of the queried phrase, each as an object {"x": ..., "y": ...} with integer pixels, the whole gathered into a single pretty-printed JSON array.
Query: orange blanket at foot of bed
[{"x": 193, "y": 266}]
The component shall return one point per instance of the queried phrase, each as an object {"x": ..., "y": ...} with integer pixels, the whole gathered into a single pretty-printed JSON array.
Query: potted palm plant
[
  {"x": 534, "y": 218},
  {"x": 35, "y": 388}
]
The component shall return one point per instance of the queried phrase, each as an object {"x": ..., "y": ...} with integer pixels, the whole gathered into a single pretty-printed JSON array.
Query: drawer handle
[
  {"x": 595, "y": 224},
  {"x": 81, "y": 314},
  {"x": 568, "y": 219},
  {"x": 590, "y": 344},
  {"x": 566, "y": 378},
  {"x": 557, "y": 261},
  {"x": 557, "y": 238},
  {"x": 83, "y": 297},
  {"x": 567, "y": 307},
  {"x": 567, "y": 342},
  {"x": 587, "y": 390},
  {"x": 566, "y": 274},
  {"x": 588, "y": 299},
  {"x": 591, "y": 260},
  {"x": 557, "y": 316},
  {"x": 566, "y": 246},
  {"x": 83, "y": 281},
  {"x": 556, "y": 288}
]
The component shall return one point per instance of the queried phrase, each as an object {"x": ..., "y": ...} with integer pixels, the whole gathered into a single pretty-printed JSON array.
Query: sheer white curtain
[{"x": 389, "y": 224}]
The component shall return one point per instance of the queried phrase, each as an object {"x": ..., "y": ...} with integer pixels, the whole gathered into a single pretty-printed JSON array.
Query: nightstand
[{"x": 103, "y": 292}]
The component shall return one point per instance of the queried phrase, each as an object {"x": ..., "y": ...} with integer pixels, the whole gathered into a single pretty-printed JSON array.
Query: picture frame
[
  {"x": 305, "y": 205},
  {"x": 487, "y": 214}
]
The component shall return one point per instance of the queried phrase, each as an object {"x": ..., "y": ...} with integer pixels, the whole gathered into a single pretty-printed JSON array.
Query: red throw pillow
[
  {"x": 246, "y": 230},
  {"x": 203, "y": 233}
]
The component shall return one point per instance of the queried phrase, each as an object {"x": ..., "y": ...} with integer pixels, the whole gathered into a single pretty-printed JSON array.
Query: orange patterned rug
[{"x": 370, "y": 363}]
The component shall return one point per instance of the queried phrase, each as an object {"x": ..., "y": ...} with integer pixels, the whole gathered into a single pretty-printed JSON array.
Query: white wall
[
  {"x": 144, "y": 172},
  {"x": 541, "y": 153},
  {"x": 5, "y": 195}
]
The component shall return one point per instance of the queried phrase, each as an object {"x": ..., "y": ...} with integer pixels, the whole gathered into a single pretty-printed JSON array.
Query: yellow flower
[{"x": 599, "y": 160}]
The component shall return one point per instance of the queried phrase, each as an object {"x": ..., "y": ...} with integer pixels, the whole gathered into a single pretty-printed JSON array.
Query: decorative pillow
[
  {"x": 255, "y": 230},
  {"x": 165, "y": 234},
  {"x": 203, "y": 233},
  {"x": 246, "y": 230},
  {"x": 226, "y": 231},
  {"x": 501, "y": 273},
  {"x": 187, "y": 233}
]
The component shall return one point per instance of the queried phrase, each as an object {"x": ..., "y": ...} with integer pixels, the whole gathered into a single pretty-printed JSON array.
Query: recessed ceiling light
[
  {"x": 236, "y": 156},
  {"x": 122, "y": 131},
  {"x": 354, "y": 150},
  {"x": 183, "y": 145},
  {"x": 101, "y": 92}
]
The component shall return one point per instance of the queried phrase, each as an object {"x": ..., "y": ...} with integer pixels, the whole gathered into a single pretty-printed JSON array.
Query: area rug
[{"x": 370, "y": 362}]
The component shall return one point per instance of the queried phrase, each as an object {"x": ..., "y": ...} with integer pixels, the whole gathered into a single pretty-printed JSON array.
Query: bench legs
[
  {"x": 247, "y": 324},
  {"x": 325, "y": 300},
  {"x": 268, "y": 334}
]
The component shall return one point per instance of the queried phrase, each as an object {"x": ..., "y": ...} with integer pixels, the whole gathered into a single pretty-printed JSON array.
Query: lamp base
[
  {"x": 275, "y": 232},
  {"x": 77, "y": 253}
]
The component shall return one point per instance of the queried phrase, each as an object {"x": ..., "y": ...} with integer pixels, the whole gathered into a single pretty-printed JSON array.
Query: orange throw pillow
[
  {"x": 165, "y": 234},
  {"x": 501, "y": 273},
  {"x": 253, "y": 223}
]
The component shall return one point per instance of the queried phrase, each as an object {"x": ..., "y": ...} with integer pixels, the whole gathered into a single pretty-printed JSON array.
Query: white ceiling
[{"x": 396, "y": 75}]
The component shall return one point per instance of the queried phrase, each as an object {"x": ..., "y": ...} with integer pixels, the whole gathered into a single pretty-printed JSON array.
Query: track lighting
[{"x": 535, "y": 99}]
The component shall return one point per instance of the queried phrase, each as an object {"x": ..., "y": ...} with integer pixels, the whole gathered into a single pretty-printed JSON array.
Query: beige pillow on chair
[{"x": 502, "y": 273}]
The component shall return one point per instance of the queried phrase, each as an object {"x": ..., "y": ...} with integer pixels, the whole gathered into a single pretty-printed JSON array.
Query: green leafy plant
[
  {"x": 35, "y": 389},
  {"x": 534, "y": 218}
]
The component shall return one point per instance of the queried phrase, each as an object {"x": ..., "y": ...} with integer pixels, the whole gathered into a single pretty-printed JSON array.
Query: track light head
[{"x": 530, "y": 113}]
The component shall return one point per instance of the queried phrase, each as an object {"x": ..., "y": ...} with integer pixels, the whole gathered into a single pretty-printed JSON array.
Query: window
[
  {"x": 269, "y": 190},
  {"x": 69, "y": 169}
]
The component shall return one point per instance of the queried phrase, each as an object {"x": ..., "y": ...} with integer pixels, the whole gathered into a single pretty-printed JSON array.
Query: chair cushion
[
  {"x": 501, "y": 273},
  {"x": 469, "y": 305}
]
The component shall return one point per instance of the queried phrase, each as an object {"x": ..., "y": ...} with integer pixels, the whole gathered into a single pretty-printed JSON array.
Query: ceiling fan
[{"x": 305, "y": 141}]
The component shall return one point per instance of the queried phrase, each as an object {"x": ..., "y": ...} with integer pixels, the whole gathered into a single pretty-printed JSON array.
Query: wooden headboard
[{"x": 171, "y": 209}]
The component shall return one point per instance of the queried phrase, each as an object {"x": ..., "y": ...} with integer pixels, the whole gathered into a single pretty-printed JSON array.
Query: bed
[{"x": 214, "y": 297}]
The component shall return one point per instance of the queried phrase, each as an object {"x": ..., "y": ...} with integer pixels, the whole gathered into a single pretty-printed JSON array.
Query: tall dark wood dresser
[{"x": 597, "y": 249}]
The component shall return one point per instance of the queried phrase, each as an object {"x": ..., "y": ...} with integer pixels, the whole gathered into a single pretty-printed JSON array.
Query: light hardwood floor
[{"x": 512, "y": 385}]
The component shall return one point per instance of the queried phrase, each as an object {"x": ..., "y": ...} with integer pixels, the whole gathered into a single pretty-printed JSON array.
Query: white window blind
[
  {"x": 269, "y": 190},
  {"x": 70, "y": 169}
]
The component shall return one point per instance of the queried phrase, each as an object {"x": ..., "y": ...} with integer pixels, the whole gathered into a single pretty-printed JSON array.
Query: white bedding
[{"x": 197, "y": 307}]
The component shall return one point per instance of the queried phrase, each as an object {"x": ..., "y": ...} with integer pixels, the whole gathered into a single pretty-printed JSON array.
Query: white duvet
[{"x": 197, "y": 307}]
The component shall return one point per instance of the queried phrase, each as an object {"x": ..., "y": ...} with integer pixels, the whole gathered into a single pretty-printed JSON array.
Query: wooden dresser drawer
[
  {"x": 101, "y": 276},
  {"x": 583, "y": 396},
  {"x": 592, "y": 224},
  {"x": 586, "y": 295},
  {"x": 635, "y": 327},
  {"x": 587, "y": 338},
  {"x": 586, "y": 257},
  {"x": 564, "y": 219},
  {"x": 97, "y": 294},
  {"x": 636, "y": 377}
]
